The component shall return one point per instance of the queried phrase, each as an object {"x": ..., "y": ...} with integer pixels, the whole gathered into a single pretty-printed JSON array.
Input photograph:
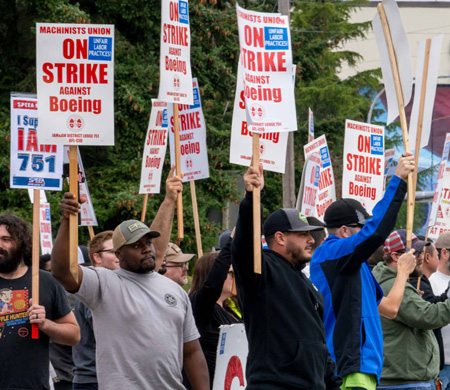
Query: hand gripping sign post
[
  {"x": 34, "y": 166},
  {"x": 154, "y": 151},
  {"x": 266, "y": 58},
  {"x": 363, "y": 176},
  {"x": 75, "y": 85},
  {"x": 327, "y": 192},
  {"x": 394, "y": 50},
  {"x": 193, "y": 150},
  {"x": 175, "y": 84}
]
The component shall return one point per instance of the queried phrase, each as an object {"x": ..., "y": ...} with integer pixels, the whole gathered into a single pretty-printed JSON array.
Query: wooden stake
[
  {"x": 144, "y": 208},
  {"x": 256, "y": 211},
  {"x": 35, "y": 258},
  {"x": 178, "y": 170},
  {"x": 198, "y": 237},
  {"x": 73, "y": 221},
  {"x": 402, "y": 115},
  {"x": 233, "y": 287},
  {"x": 418, "y": 283},
  {"x": 91, "y": 232},
  {"x": 421, "y": 109}
]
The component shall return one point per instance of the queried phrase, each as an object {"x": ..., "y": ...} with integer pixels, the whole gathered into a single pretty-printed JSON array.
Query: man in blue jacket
[{"x": 353, "y": 299}]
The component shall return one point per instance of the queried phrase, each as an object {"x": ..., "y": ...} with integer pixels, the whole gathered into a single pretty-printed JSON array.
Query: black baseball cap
[
  {"x": 287, "y": 220},
  {"x": 345, "y": 211}
]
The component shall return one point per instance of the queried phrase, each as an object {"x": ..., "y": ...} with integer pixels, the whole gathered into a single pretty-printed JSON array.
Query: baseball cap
[
  {"x": 443, "y": 241},
  {"x": 224, "y": 238},
  {"x": 345, "y": 211},
  {"x": 128, "y": 232},
  {"x": 397, "y": 242},
  {"x": 175, "y": 255},
  {"x": 287, "y": 220}
]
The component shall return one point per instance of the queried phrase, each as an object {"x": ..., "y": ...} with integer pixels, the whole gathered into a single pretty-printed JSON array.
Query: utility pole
[{"x": 289, "y": 197}]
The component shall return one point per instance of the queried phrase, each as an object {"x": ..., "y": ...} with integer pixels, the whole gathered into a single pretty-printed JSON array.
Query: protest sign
[
  {"x": 75, "y": 83},
  {"x": 364, "y": 163},
  {"x": 87, "y": 214},
  {"x": 193, "y": 150},
  {"x": 154, "y": 149},
  {"x": 231, "y": 358},
  {"x": 33, "y": 164},
  {"x": 398, "y": 41},
  {"x": 310, "y": 125},
  {"x": 327, "y": 192},
  {"x": 389, "y": 168},
  {"x": 440, "y": 182},
  {"x": 427, "y": 69},
  {"x": 266, "y": 57},
  {"x": 175, "y": 84},
  {"x": 272, "y": 145},
  {"x": 309, "y": 186},
  {"x": 45, "y": 229},
  {"x": 442, "y": 220}
]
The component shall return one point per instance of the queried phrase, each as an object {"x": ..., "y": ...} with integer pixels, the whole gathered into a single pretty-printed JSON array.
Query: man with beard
[
  {"x": 411, "y": 353},
  {"x": 282, "y": 310},
  {"x": 24, "y": 363},
  {"x": 143, "y": 323}
]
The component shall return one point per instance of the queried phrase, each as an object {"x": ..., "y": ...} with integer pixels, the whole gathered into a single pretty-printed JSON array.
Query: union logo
[{"x": 75, "y": 123}]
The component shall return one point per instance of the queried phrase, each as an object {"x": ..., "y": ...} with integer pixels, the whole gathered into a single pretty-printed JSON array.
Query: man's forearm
[
  {"x": 163, "y": 224},
  {"x": 390, "y": 304},
  {"x": 62, "y": 333},
  {"x": 197, "y": 370}
]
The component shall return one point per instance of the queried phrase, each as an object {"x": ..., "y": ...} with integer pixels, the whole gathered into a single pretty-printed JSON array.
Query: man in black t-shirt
[{"x": 24, "y": 362}]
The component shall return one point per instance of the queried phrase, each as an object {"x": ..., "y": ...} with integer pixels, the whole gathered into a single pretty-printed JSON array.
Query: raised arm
[
  {"x": 242, "y": 244},
  {"x": 60, "y": 252},
  {"x": 390, "y": 304},
  {"x": 164, "y": 218}
]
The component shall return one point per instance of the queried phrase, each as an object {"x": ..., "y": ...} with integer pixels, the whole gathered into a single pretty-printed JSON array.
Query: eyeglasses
[
  {"x": 182, "y": 266},
  {"x": 231, "y": 273},
  {"x": 112, "y": 251}
]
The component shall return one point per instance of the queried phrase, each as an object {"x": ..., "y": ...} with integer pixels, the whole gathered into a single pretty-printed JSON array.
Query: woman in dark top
[{"x": 211, "y": 287}]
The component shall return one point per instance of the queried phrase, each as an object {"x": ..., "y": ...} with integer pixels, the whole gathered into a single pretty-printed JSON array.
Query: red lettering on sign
[{"x": 234, "y": 370}]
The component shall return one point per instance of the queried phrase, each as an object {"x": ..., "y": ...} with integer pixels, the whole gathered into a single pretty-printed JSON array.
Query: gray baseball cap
[{"x": 128, "y": 232}]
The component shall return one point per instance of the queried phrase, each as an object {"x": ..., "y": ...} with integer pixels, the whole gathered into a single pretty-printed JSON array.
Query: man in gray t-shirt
[{"x": 143, "y": 322}]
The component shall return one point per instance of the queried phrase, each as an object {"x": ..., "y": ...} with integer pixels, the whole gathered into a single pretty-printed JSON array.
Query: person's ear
[
  {"x": 96, "y": 259},
  {"x": 280, "y": 238}
]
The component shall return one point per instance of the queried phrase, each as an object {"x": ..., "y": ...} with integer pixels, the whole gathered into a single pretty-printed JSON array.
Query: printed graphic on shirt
[{"x": 13, "y": 312}]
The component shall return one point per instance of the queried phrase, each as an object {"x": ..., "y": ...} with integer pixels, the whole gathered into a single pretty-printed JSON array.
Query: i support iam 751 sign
[
  {"x": 33, "y": 164},
  {"x": 75, "y": 83}
]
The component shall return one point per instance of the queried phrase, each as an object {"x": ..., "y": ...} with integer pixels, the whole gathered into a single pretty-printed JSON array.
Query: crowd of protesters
[{"x": 343, "y": 304}]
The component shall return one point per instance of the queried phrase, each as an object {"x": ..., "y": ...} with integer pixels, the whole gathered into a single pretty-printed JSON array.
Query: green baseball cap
[{"x": 128, "y": 232}]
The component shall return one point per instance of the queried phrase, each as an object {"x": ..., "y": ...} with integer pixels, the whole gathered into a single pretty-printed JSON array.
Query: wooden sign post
[
  {"x": 144, "y": 208},
  {"x": 35, "y": 258},
  {"x": 198, "y": 237},
  {"x": 178, "y": 170},
  {"x": 402, "y": 115},
  {"x": 73, "y": 221},
  {"x": 256, "y": 211}
]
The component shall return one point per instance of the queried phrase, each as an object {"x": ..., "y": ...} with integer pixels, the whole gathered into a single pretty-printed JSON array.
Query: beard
[
  {"x": 418, "y": 271},
  {"x": 9, "y": 261},
  {"x": 145, "y": 268},
  {"x": 298, "y": 255}
]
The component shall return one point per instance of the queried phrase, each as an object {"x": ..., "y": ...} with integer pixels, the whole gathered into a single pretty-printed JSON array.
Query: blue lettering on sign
[
  {"x": 35, "y": 182},
  {"x": 165, "y": 121},
  {"x": 447, "y": 146},
  {"x": 183, "y": 12},
  {"x": 47, "y": 214},
  {"x": 376, "y": 144},
  {"x": 100, "y": 48},
  {"x": 317, "y": 176},
  {"x": 196, "y": 99},
  {"x": 222, "y": 343},
  {"x": 325, "y": 156},
  {"x": 276, "y": 38}
]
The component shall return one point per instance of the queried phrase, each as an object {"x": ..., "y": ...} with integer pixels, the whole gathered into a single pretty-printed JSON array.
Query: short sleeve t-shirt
[
  {"x": 24, "y": 362},
  {"x": 141, "y": 322}
]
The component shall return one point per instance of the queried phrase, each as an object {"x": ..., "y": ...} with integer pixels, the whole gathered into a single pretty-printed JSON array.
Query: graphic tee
[{"x": 24, "y": 362}]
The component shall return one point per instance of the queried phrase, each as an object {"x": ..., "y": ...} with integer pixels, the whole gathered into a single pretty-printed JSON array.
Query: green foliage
[{"x": 113, "y": 173}]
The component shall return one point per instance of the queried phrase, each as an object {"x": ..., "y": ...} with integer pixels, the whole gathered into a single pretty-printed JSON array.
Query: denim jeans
[
  {"x": 444, "y": 376},
  {"x": 85, "y": 386},
  {"x": 412, "y": 386}
]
